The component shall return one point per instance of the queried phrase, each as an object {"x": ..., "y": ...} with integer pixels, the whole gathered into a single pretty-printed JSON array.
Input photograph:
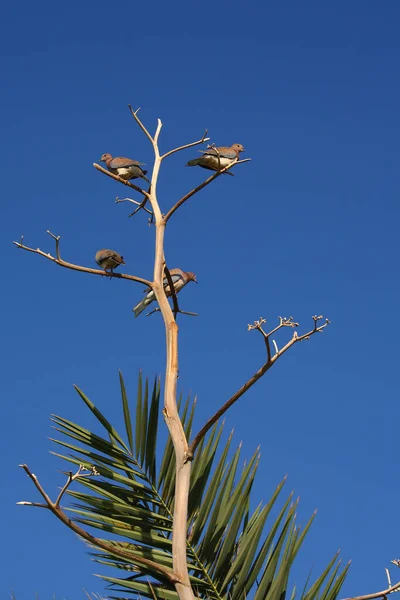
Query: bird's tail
[
  {"x": 144, "y": 177},
  {"x": 140, "y": 306},
  {"x": 194, "y": 162}
]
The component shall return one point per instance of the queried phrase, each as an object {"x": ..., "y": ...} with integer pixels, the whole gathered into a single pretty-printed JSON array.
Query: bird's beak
[{"x": 195, "y": 280}]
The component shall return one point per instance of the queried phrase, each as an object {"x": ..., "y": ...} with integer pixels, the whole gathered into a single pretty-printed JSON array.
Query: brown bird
[
  {"x": 109, "y": 259},
  {"x": 126, "y": 168},
  {"x": 215, "y": 159}
]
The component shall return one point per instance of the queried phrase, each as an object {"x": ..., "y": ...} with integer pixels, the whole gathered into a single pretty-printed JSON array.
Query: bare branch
[
  {"x": 203, "y": 139},
  {"x": 124, "y": 181},
  {"x": 37, "y": 504},
  {"x": 271, "y": 360},
  {"x": 155, "y": 139},
  {"x": 142, "y": 204},
  {"x": 60, "y": 514},
  {"x": 139, "y": 122},
  {"x": 201, "y": 186},
  {"x": 283, "y": 322},
  {"x": 382, "y": 594},
  {"x": 138, "y": 204},
  {"x": 89, "y": 472},
  {"x": 68, "y": 265}
]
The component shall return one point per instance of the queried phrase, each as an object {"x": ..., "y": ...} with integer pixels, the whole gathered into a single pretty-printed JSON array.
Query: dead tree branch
[
  {"x": 271, "y": 360},
  {"x": 124, "y": 181},
  {"x": 63, "y": 263},
  {"x": 138, "y": 204},
  {"x": 54, "y": 507},
  {"x": 200, "y": 187},
  {"x": 203, "y": 139},
  {"x": 382, "y": 594}
]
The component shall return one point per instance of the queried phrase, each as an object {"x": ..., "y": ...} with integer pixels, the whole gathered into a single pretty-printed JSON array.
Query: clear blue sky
[{"x": 311, "y": 89}]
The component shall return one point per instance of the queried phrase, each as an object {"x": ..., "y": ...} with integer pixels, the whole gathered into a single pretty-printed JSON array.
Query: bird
[
  {"x": 126, "y": 168},
  {"x": 109, "y": 259},
  {"x": 179, "y": 279},
  {"x": 215, "y": 159}
]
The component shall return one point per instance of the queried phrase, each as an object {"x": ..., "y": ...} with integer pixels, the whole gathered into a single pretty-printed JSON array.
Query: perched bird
[
  {"x": 126, "y": 168},
  {"x": 215, "y": 159},
  {"x": 179, "y": 279},
  {"x": 109, "y": 259}
]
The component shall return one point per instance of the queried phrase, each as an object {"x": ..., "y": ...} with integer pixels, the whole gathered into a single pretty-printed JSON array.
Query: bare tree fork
[
  {"x": 382, "y": 594},
  {"x": 186, "y": 197},
  {"x": 124, "y": 181},
  {"x": 271, "y": 360},
  {"x": 55, "y": 508},
  {"x": 138, "y": 204},
  {"x": 63, "y": 263}
]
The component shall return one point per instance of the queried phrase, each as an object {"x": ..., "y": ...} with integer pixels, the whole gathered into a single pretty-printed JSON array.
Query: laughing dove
[
  {"x": 179, "y": 279},
  {"x": 109, "y": 259},
  {"x": 126, "y": 168},
  {"x": 215, "y": 159}
]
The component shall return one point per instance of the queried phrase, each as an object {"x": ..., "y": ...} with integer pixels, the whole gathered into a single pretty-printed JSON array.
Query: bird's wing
[
  {"x": 120, "y": 163},
  {"x": 223, "y": 152},
  {"x": 175, "y": 278}
]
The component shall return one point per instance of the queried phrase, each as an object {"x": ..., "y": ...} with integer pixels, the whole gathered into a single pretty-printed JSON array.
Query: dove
[
  {"x": 126, "y": 168},
  {"x": 179, "y": 279},
  {"x": 215, "y": 159},
  {"x": 109, "y": 259}
]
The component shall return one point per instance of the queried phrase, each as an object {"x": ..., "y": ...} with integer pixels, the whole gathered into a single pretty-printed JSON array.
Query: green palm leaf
[{"x": 232, "y": 552}]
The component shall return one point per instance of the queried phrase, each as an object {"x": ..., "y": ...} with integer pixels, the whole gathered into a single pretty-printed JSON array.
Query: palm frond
[{"x": 232, "y": 552}]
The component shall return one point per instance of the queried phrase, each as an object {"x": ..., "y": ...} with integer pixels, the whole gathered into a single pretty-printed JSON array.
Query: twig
[
  {"x": 283, "y": 322},
  {"x": 139, "y": 204},
  {"x": 60, "y": 514},
  {"x": 388, "y": 577},
  {"x": 203, "y": 139},
  {"x": 88, "y": 473},
  {"x": 63, "y": 263},
  {"x": 271, "y": 360},
  {"x": 213, "y": 146},
  {"x": 124, "y": 181},
  {"x": 139, "y": 122},
  {"x": 201, "y": 186},
  {"x": 142, "y": 204}
]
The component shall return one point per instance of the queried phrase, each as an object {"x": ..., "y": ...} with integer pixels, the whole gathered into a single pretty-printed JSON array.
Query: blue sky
[{"x": 312, "y": 91}]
